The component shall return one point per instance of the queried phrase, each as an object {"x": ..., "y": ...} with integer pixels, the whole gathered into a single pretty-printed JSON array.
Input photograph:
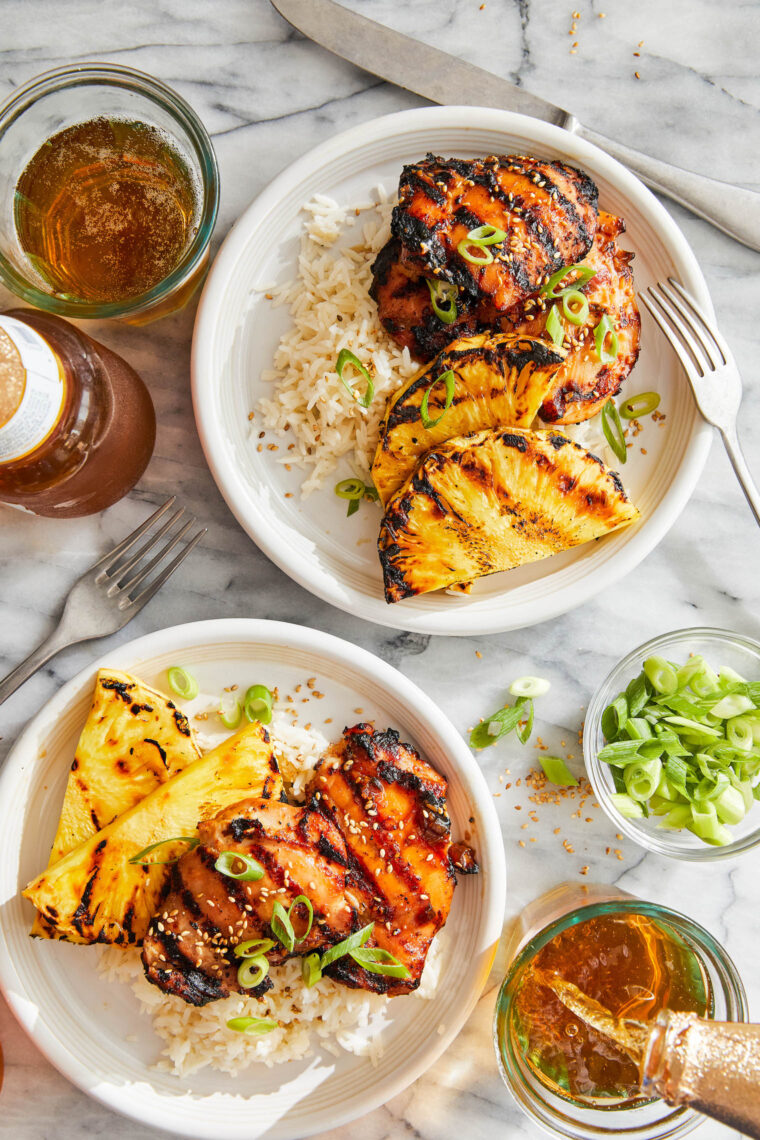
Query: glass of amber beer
[{"x": 109, "y": 191}]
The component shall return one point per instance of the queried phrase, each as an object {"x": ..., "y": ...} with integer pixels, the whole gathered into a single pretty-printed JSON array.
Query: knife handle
[{"x": 733, "y": 209}]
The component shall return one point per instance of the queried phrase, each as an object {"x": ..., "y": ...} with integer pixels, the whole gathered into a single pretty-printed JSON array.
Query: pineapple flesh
[
  {"x": 492, "y": 501},
  {"x": 133, "y": 740},
  {"x": 94, "y": 894},
  {"x": 498, "y": 381}
]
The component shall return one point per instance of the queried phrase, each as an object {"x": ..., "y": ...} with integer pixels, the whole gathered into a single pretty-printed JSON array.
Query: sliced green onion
[
  {"x": 524, "y": 730},
  {"x": 353, "y": 942},
  {"x": 253, "y": 1026},
  {"x": 182, "y": 683},
  {"x": 252, "y": 971},
  {"x": 661, "y": 675},
  {"x": 257, "y": 704},
  {"x": 350, "y": 489},
  {"x": 530, "y": 687},
  {"x": 345, "y": 356},
  {"x": 554, "y": 327},
  {"x": 641, "y": 779},
  {"x": 732, "y": 705},
  {"x": 574, "y": 306},
  {"x": 254, "y": 948},
  {"x": 642, "y": 405},
  {"x": 282, "y": 927},
  {"x": 613, "y": 430},
  {"x": 311, "y": 969},
  {"x": 628, "y": 808},
  {"x": 301, "y": 900},
  {"x": 251, "y": 873},
  {"x": 449, "y": 380},
  {"x": 605, "y": 329},
  {"x": 230, "y": 711},
  {"x": 443, "y": 298},
  {"x": 486, "y": 235},
  {"x": 465, "y": 248},
  {"x": 378, "y": 961},
  {"x": 739, "y": 733},
  {"x": 557, "y": 771},
  {"x": 500, "y": 724},
  {"x": 353, "y": 507},
  {"x": 192, "y": 840},
  {"x": 585, "y": 273}
]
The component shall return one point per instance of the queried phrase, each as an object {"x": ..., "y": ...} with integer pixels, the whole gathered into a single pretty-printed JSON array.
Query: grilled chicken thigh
[
  {"x": 390, "y": 805},
  {"x": 548, "y": 211},
  {"x": 189, "y": 947}
]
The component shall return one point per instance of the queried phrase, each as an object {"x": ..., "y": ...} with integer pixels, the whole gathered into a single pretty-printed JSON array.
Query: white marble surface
[{"x": 267, "y": 96}]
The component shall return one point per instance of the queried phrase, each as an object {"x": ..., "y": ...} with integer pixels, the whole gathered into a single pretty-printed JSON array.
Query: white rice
[
  {"x": 328, "y": 1014},
  {"x": 331, "y": 309}
]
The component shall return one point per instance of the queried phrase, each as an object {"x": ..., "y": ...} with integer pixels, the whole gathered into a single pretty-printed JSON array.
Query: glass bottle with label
[{"x": 77, "y": 425}]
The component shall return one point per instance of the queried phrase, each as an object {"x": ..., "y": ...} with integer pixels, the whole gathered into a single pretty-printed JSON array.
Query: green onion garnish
[
  {"x": 230, "y": 711},
  {"x": 574, "y": 306},
  {"x": 443, "y": 298},
  {"x": 486, "y": 235},
  {"x": 311, "y": 970},
  {"x": 345, "y": 356},
  {"x": 378, "y": 961},
  {"x": 282, "y": 927},
  {"x": 603, "y": 330},
  {"x": 613, "y": 430},
  {"x": 253, "y": 1026},
  {"x": 257, "y": 704},
  {"x": 557, "y": 771},
  {"x": 554, "y": 327},
  {"x": 584, "y": 272},
  {"x": 353, "y": 942},
  {"x": 355, "y": 490},
  {"x": 182, "y": 683},
  {"x": 254, "y": 948},
  {"x": 251, "y": 873},
  {"x": 530, "y": 687},
  {"x": 301, "y": 900},
  {"x": 465, "y": 250},
  {"x": 683, "y": 743},
  {"x": 641, "y": 405},
  {"x": 501, "y": 723},
  {"x": 252, "y": 971},
  {"x": 192, "y": 840},
  {"x": 449, "y": 380}
]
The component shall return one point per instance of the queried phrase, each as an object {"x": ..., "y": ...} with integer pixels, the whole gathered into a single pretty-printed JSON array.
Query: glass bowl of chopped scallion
[{"x": 672, "y": 744}]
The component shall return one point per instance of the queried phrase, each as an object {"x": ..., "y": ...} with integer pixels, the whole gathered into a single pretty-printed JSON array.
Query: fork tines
[
  {"x": 692, "y": 334},
  {"x": 116, "y": 571}
]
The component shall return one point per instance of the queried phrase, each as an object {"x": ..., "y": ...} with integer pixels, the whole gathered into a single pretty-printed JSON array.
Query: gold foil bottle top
[{"x": 711, "y": 1066}]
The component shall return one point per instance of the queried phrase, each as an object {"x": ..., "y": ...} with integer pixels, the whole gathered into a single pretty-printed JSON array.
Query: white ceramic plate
[
  {"x": 92, "y": 1031},
  {"x": 237, "y": 331}
]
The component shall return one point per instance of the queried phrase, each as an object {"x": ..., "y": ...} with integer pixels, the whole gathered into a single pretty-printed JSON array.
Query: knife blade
[{"x": 445, "y": 79}]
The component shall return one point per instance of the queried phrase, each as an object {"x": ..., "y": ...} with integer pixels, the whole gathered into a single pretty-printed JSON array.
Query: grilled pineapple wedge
[
  {"x": 498, "y": 381},
  {"x": 96, "y": 895},
  {"x": 492, "y": 501}
]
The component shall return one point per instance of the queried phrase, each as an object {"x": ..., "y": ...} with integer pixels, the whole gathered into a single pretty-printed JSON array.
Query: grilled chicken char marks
[
  {"x": 391, "y": 808},
  {"x": 548, "y": 211},
  {"x": 189, "y": 948}
]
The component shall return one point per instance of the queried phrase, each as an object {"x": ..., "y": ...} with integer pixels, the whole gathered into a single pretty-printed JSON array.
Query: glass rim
[
  {"x": 117, "y": 75},
  {"x": 677, "y": 1121},
  {"x": 597, "y": 771}
]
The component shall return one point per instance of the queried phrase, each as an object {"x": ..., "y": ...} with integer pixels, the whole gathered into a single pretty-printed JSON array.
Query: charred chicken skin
[
  {"x": 371, "y": 846},
  {"x": 548, "y": 211}
]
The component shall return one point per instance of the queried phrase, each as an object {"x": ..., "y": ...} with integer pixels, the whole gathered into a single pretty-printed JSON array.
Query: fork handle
[
  {"x": 739, "y": 464},
  {"x": 49, "y": 647}
]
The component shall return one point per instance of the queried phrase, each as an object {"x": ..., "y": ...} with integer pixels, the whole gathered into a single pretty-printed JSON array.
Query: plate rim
[
  {"x": 116, "y": 1095},
  {"x": 456, "y": 622}
]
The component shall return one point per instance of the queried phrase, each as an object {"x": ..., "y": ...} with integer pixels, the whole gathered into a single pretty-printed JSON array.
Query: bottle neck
[{"x": 711, "y": 1066}]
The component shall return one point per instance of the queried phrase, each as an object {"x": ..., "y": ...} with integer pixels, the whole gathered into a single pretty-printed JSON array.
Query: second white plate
[{"x": 237, "y": 331}]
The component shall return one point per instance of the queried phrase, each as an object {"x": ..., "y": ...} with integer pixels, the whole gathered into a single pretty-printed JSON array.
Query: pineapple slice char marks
[
  {"x": 492, "y": 501},
  {"x": 498, "y": 380}
]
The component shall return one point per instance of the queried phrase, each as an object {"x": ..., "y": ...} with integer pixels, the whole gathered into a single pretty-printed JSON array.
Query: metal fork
[
  {"x": 709, "y": 366},
  {"x": 105, "y": 599}
]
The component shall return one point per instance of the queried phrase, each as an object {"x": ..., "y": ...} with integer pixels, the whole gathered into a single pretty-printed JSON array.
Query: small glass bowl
[
  {"x": 637, "y": 1120},
  {"x": 51, "y": 102},
  {"x": 719, "y": 647}
]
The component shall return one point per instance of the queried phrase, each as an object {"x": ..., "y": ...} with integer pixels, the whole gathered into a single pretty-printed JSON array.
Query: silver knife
[{"x": 443, "y": 78}]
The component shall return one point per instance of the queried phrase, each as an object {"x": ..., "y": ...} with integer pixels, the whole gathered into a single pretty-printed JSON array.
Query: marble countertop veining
[{"x": 267, "y": 96}]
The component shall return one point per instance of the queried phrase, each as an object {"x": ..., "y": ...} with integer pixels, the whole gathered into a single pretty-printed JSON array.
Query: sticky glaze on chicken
[
  {"x": 189, "y": 947},
  {"x": 548, "y": 211},
  {"x": 390, "y": 806}
]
